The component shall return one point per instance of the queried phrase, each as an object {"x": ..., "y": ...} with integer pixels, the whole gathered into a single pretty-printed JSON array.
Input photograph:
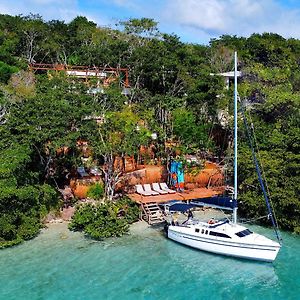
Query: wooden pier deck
[{"x": 179, "y": 196}]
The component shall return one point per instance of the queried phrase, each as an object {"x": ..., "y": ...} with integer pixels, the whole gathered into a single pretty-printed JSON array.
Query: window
[
  {"x": 206, "y": 231},
  {"x": 202, "y": 231},
  {"x": 244, "y": 233},
  {"x": 197, "y": 230},
  {"x": 214, "y": 233}
]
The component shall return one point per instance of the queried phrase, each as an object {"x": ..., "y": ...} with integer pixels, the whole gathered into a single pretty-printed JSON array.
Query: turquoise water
[{"x": 59, "y": 264}]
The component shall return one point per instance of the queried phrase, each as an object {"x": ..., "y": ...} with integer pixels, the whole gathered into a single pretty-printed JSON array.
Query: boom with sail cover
[{"x": 226, "y": 203}]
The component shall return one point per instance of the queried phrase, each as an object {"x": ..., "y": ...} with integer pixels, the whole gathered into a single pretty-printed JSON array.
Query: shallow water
[{"x": 60, "y": 264}]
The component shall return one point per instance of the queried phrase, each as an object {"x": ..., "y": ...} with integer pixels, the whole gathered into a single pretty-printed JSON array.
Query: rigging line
[
  {"x": 258, "y": 153},
  {"x": 255, "y": 145},
  {"x": 269, "y": 207},
  {"x": 225, "y": 215},
  {"x": 261, "y": 165},
  {"x": 255, "y": 219},
  {"x": 260, "y": 179}
]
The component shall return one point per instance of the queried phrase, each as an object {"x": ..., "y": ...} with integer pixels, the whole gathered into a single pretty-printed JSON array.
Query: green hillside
[{"x": 172, "y": 93}]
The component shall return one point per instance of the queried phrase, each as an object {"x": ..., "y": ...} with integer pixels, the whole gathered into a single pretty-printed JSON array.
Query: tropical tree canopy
[{"x": 175, "y": 92}]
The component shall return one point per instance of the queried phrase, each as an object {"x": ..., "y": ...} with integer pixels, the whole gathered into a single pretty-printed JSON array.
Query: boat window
[
  {"x": 197, "y": 230},
  {"x": 214, "y": 233},
  {"x": 202, "y": 231},
  {"x": 206, "y": 231},
  {"x": 244, "y": 233}
]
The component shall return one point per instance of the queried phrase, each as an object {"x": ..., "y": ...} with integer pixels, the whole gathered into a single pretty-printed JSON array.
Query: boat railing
[
  {"x": 218, "y": 224},
  {"x": 205, "y": 224}
]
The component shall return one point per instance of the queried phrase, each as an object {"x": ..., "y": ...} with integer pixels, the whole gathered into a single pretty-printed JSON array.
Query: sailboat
[{"x": 225, "y": 237}]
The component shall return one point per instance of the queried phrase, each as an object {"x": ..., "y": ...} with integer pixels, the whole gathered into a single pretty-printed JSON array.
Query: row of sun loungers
[{"x": 156, "y": 189}]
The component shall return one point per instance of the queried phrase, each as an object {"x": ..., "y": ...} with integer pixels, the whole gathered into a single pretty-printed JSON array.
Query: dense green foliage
[
  {"x": 105, "y": 220},
  {"x": 96, "y": 191},
  {"x": 172, "y": 94},
  {"x": 23, "y": 201}
]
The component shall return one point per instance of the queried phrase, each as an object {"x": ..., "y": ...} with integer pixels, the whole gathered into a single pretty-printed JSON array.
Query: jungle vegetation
[{"x": 172, "y": 94}]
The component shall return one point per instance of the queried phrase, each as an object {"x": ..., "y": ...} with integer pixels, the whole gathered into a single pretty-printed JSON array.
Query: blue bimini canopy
[
  {"x": 219, "y": 202},
  {"x": 182, "y": 207}
]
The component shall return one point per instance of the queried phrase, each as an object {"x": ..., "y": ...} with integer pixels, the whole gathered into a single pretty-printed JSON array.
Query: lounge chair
[
  {"x": 147, "y": 188},
  {"x": 140, "y": 190},
  {"x": 95, "y": 171},
  {"x": 82, "y": 172},
  {"x": 164, "y": 187},
  {"x": 156, "y": 188}
]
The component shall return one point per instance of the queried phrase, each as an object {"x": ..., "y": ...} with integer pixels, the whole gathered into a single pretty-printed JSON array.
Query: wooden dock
[
  {"x": 150, "y": 210},
  {"x": 197, "y": 193}
]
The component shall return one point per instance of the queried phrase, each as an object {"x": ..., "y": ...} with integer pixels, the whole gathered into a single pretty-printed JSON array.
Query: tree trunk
[{"x": 111, "y": 176}]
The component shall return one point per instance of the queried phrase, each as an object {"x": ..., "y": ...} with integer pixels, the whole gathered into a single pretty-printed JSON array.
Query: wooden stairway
[{"x": 151, "y": 213}]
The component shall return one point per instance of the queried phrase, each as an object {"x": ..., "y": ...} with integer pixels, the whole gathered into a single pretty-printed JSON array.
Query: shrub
[
  {"x": 105, "y": 220},
  {"x": 6, "y": 71},
  {"x": 96, "y": 191}
]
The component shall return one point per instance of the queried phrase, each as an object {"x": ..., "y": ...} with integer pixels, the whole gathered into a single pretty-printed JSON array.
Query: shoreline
[
  {"x": 64, "y": 216},
  {"x": 139, "y": 228},
  {"x": 67, "y": 213}
]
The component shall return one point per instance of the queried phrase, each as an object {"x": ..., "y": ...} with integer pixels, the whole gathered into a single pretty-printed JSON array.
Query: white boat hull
[{"x": 246, "y": 250}]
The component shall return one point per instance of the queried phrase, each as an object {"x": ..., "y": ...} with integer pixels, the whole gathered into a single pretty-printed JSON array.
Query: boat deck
[{"x": 197, "y": 193}]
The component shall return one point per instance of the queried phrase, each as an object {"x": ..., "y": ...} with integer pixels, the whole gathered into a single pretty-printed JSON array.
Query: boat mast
[{"x": 234, "y": 217}]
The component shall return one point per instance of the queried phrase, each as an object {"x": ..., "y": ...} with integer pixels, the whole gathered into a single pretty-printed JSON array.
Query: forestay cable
[{"x": 261, "y": 182}]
